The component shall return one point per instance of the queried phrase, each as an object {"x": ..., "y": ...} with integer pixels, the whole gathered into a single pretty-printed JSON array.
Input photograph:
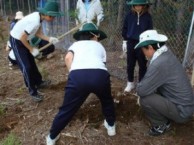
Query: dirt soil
[{"x": 31, "y": 121}]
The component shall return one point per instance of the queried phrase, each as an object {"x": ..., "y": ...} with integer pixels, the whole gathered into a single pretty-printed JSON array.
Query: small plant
[
  {"x": 11, "y": 139},
  {"x": 2, "y": 110}
]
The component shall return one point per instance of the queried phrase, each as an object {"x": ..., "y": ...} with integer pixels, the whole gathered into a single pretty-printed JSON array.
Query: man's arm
[{"x": 152, "y": 80}]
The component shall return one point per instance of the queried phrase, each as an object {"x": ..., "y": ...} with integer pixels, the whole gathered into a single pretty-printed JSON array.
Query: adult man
[
  {"x": 165, "y": 92},
  {"x": 20, "y": 35},
  {"x": 89, "y": 11}
]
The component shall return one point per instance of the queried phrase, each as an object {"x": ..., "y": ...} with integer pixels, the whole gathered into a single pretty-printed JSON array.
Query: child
[
  {"x": 85, "y": 61},
  {"x": 20, "y": 35},
  {"x": 12, "y": 61},
  {"x": 48, "y": 52},
  {"x": 137, "y": 21}
]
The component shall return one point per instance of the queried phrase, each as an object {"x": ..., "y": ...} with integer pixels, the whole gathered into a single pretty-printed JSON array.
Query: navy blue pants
[
  {"x": 27, "y": 65},
  {"x": 134, "y": 55},
  {"x": 48, "y": 50},
  {"x": 80, "y": 84}
]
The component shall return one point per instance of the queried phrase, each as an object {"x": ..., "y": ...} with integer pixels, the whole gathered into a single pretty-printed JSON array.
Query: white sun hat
[
  {"x": 19, "y": 15},
  {"x": 150, "y": 37}
]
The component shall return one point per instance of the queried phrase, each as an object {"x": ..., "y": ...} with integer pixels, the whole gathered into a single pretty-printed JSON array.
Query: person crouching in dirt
[
  {"x": 19, "y": 15},
  {"x": 165, "y": 91},
  {"x": 22, "y": 32},
  {"x": 45, "y": 53},
  {"x": 85, "y": 61},
  {"x": 34, "y": 42}
]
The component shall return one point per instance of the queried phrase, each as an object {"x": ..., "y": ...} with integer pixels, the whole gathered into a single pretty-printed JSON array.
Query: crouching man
[{"x": 165, "y": 91}]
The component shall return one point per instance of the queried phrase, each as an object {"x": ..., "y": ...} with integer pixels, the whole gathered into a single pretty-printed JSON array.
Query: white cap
[{"x": 19, "y": 15}]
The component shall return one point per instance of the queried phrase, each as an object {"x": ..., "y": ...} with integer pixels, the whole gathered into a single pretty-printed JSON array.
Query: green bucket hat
[
  {"x": 150, "y": 37},
  {"x": 51, "y": 8},
  {"x": 139, "y": 2},
  {"x": 90, "y": 27},
  {"x": 35, "y": 41}
]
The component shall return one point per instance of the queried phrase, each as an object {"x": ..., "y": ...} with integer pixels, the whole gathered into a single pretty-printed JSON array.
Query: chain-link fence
[{"x": 170, "y": 17}]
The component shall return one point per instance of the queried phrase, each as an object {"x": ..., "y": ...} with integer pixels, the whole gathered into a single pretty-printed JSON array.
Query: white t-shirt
[
  {"x": 88, "y": 54},
  {"x": 29, "y": 23}
]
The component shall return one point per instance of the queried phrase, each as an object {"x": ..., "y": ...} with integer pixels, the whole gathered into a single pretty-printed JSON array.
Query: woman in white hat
[
  {"x": 165, "y": 91},
  {"x": 85, "y": 61},
  {"x": 22, "y": 32}
]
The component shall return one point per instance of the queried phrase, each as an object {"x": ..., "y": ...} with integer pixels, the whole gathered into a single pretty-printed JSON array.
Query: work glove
[
  {"x": 53, "y": 40},
  {"x": 35, "y": 52},
  {"x": 12, "y": 55},
  {"x": 100, "y": 18},
  {"x": 124, "y": 46}
]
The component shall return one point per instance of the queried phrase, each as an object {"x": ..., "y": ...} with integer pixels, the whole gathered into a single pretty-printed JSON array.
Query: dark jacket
[{"x": 134, "y": 26}]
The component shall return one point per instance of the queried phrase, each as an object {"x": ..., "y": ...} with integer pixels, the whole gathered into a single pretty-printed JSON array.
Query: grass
[
  {"x": 2, "y": 110},
  {"x": 11, "y": 139}
]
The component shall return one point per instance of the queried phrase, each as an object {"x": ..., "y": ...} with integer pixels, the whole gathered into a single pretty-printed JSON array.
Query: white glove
[
  {"x": 35, "y": 52},
  {"x": 12, "y": 55},
  {"x": 100, "y": 18},
  {"x": 98, "y": 23},
  {"x": 53, "y": 40},
  {"x": 124, "y": 46}
]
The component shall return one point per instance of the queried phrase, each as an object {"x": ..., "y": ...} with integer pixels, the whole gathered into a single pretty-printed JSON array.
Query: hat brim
[
  {"x": 102, "y": 34},
  {"x": 161, "y": 38},
  {"x": 50, "y": 13},
  {"x": 145, "y": 43}
]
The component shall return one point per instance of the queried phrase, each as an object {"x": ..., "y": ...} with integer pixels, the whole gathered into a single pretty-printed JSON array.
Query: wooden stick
[{"x": 70, "y": 31}]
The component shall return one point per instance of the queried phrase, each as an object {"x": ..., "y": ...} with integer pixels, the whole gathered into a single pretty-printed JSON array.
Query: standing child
[
  {"x": 85, "y": 61},
  {"x": 20, "y": 35},
  {"x": 137, "y": 21}
]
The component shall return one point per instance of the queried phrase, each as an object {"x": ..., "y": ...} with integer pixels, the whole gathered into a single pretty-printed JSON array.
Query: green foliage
[
  {"x": 73, "y": 14},
  {"x": 2, "y": 110},
  {"x": 11, "y": 139}
]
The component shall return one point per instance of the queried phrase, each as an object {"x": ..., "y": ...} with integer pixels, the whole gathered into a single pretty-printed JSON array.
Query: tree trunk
[
  {"x": 29, "y": 7},
  {"x": 120, "y": 14},
  {"x": 18, "y": 5},
  {"x": 10, "y": 8}
]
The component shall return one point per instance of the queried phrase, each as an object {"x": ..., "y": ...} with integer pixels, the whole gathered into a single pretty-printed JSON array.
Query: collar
[
  {"x": 158, "y": 53},
  {"x": 40, "y": 18}
]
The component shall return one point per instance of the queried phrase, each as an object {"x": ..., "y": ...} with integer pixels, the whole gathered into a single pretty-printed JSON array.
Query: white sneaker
[
  {"x": 50, "y": 141},
  {"x": 130, "y": 86},
  {"x": 110, "y": 129}
]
